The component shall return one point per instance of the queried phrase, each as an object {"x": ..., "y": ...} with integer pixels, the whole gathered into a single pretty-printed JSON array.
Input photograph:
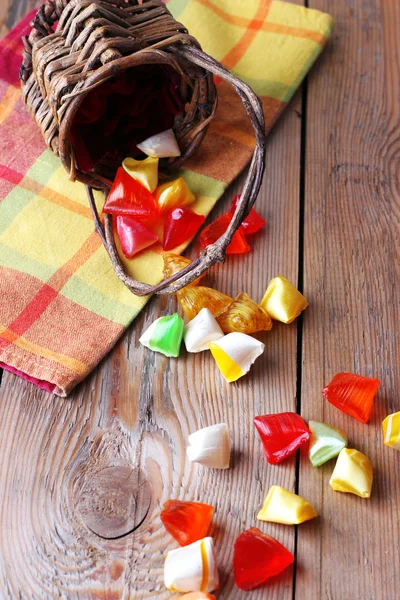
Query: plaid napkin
[{"x": 61, "y": 306}]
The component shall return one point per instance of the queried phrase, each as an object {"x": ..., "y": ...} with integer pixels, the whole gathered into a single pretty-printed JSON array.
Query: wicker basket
[{"x": 75, "y": 47}]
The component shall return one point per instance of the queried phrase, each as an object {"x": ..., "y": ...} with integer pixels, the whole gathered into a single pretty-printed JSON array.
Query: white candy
[
  {"x": 239, "y": 352},
  {"x": 185, "y": 568},
  {"x": 161, "y": 145},
  {"x": 201, "y": 330},
  {"x": 210, "y": 446}
]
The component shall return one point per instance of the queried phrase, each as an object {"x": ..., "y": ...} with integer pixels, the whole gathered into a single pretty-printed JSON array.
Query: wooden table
[{"x": 99, "y": 465}]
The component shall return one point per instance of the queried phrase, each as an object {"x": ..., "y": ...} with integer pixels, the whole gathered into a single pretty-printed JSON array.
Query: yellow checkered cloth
[{"x": 61, "y": 306}]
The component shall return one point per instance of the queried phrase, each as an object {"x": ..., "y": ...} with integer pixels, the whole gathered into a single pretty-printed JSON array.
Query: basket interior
[{"x": 123, "y": 111}]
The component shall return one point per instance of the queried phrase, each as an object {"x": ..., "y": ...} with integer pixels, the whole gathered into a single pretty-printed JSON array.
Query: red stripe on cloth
[
  {"x": 41, "y": 383},
  {"x": 10, "y": 51},
  {"x": 33, "y": 310},
  {"x": 10, "y": 175}
]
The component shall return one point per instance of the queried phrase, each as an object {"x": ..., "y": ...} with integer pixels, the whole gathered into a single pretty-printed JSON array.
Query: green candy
[
  {"x": 164, "y": 335},
  {"x": 325, "y": 442}
]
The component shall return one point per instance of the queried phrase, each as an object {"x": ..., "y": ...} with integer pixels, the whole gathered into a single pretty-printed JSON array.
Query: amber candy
[
  {"x": 244, "y": 315},
  {"x": 193, "y": 299},
  {"x": 173, "y": 263}
]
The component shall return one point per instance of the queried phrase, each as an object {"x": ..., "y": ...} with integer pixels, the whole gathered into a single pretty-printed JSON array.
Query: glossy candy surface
[
  {"x": 133, "y": 235},
  {"x": 144, "y": 171},
  {"x": 252, "y": 223},
  {"x": 214, "y": 230},
  {"x": 352, "y": 473},
  {"x": 174, "y": 263},
  {"x": 282, "y": 301},
  {"x": 160, "y": 145},
  {"x": 210, "y": 446},
  {"x": 193, "y": 299},
  {"x": 164, "y": 335},
  {"x": 180, "y": 225},
  {"x": 173, "y": 194},
  {"x": 192, "y": 568},
  {"x": 244, "y": 315},
  {"x": 281, "y": 434},
  {"x": 325, "y": 442},
  {"x": 391, "y": 431},
  {"x": 257, "y": 557},
  {"x": 200, "y": 331},
  {"x": 128, "y": 197},
  {"x": 235, "y": 353},
  {"x": 352, "y": 394},
  {"x": 187, "y": 522},
  {"x": 282, "y": 506}
]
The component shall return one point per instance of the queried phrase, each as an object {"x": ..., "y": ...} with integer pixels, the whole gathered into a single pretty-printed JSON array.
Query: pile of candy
[
  {"x": 257, "y": 556},
  {"x": 222, "y": 324}
]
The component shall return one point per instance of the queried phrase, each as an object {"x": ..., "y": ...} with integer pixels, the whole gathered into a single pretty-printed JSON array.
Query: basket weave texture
[{"x": 75, "y": 46}]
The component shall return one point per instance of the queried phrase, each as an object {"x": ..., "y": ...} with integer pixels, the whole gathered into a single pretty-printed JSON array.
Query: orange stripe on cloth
[
  {"x": 52, "y": 196},
  {"x": 76, "y": 366},
  {"x": 48, "y": 292},
  {"x": 226, "y": 130},
  {"x": 241, "y": 47},
  {"x": 317, "y": 37},
  {"x": 8, "y": 102}
]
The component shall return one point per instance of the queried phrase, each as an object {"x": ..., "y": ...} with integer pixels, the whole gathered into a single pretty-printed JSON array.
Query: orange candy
[
  {"x": 187, "y": 522},
  {"x": 352, "y": 394}
]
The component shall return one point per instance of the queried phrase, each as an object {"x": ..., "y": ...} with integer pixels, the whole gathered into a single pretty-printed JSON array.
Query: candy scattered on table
[
  {"x": 173, "y": 263},
  {"x": 193, "y": 299},
  {"x": 164, "y": 335},
  {"x": 257, "y": 557},
  {"x": 235, "y": 353},
  {"x": 325, "y": 442},
  {"x": 352, "y": 394},
  {"x": 391, "y": 431},
  {"x": 282, "y": 506},
  {"x": 173, "y": 194},
  {"x": 144, "y": 171},
  {"x": 133, "y": 235},
  {"x": 210, "y": 446},
  {"x": 192, "y": 568},
  {"x": 161, "y": 145},
  {"x": 282, "y": 301},
  {"x": 216, "y": 229},
  {"x": 200, "y": 331},
  {"x": 187, "y": 522},
  {"x": 128, "y": 197},
  {"x": 252, "y": 223},
  {"x": 281, "y": 434},
  {"x": 245, "y": 316},
  {"x": 180, "y": 225},
  {"x": 352, "y": 473}
]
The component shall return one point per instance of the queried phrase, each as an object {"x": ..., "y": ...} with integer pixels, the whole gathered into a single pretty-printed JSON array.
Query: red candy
[
  {"x": 133, "y": 235},
  {"x": 281, "y": 434},
  {"x": 257, "y": 557},
  {"x": 187, "y": 522},
  {"x": 352, "y": 394},
  {"x": 128, "y": 197},
  {"x": 179, "y": 226},
  {"x": 253, "y": 222},
  {"x": 213, "y": 232}
]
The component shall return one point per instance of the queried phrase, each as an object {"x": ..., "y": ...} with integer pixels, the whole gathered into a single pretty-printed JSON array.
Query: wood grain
[
  {"x": 351, "y": 275},
  {"x": 71, "y": 530}
]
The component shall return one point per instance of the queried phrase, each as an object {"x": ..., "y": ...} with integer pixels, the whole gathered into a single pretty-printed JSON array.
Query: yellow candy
[
  {"x": 235, "y": 353},
  {"x": 244, "y": 315},
  {"x": 391, "y": 431},
  {"x": 282, "y": 301},
  {"x": 174, "y": 263},
  {"x": 193, "y": 299},
  {"x": 144, "y": 171},
  {"x": 282, "y": 506},
  {"x": 352, "y": 473},
  {"x": 173, "y": 194}
]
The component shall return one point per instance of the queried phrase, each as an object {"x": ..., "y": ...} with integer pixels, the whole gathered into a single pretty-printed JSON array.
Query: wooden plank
[{"x": 351, "y": 274}]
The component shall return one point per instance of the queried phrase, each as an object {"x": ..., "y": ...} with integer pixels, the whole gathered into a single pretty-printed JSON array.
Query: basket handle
[{"x": 215, "y": 252}]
